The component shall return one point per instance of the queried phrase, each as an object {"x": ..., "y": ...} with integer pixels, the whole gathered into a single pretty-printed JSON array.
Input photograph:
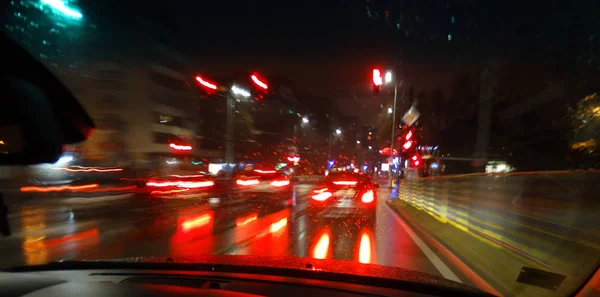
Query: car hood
[{"x": 332, "y": 270}]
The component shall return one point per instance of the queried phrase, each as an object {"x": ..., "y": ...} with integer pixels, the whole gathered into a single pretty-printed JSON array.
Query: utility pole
[
  {"x": 393, "y": 132},
  {"x": 229, "y": 149}
]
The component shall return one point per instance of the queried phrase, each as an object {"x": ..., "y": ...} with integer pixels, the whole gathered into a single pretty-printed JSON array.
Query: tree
[{"x": 585, "y": 123}]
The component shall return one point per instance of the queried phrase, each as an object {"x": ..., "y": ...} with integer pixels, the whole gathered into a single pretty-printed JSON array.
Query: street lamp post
[
  {"x": 388, "y": 78},
  {"x": 230, "y": 125},
  {"x": 229, "y": 131}
]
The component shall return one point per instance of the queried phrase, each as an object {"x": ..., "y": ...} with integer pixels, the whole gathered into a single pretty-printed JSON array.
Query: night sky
[{"x": 328, "y": 48}]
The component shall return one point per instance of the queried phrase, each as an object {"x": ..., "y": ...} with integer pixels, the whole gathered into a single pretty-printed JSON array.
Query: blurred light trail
[
  {"x": 200, "y": 221},
  {"x": 278, "y": 225},
  {"x": 240, "y": 91},
  {"x": 58, "y": 188},
  {"x": 205, "y": 83},
  {"x": 168, "y": 192},
  {"x": 180, "y": 147},
  {"x": 246, "y": 220},
  {"x": 258, "y": 82},
  {"x": 60, "y": 6},
  {"x": 264, "y": 171},
  {"x": 364, "y": 250},
  {"x": 322, "y": 247},
  {"x": 280, "y": 183},
  {"x": 248, "y": 182},
  {"x": 88, "y": 169},
  {"x": 345, "y": 183}
]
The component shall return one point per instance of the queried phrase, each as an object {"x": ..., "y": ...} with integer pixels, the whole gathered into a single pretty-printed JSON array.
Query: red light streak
[
  {"x": 280, "y": 183},
  {"x": 278, "y": 225},
  {"x": 246, "y": 220},
  {"x": 58, "y": 188},
  {"x": 408, "y": 135},
  {"x": 344, "y": 183},
  {"x": 195, "y": 185},
  {"x": 248, "y": 182},
  {"x": 72, "y": 237},
  {"x": 197, "y": 222},
  {"x": 205, "y": 83},
  {"x": 320, "y": 190},
  {"x": 162, "y": 184},
  {"x": 322, "y": 196},
  {"x": 108, "y": 189},
  {"x": 187, "y": 176},
  {"x": 180, "y": 147},
  {"x": 264, "y": 171},
  {"x": 258, "y": 82},
  {"x": 368, "y": 197},
  {"x": 321, "y": 249},
  {"x": 364, "y": 250},
  {"x": 293, "y": 159},
  {"x": 168, "y": 192},
  {"x": 181, "y": 184}
]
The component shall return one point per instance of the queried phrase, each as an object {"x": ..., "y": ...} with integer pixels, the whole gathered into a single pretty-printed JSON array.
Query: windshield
[{"x": 471, "y": 125}]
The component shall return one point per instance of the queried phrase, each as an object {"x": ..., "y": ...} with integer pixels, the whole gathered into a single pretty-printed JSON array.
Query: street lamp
[
  {"x": 239, "y": 91},
  {"x": 390, "y": 110},
  {"x": 305, "y": 120},
  {"x": 338, "y": 131},
  {"x": 388, "y": 77}
]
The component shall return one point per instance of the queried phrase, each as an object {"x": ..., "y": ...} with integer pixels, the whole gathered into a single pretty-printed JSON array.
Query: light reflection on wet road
[{"x": 131, "y": 227}]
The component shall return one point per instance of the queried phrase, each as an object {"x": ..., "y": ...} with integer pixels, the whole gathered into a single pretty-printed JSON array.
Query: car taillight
[
  {"x": 344, "y": 182},
  {"x": 322, "y": 196},
  {"x": 247, "y": 182},
  {"x": 280, "y": 183},
  {"x": 181, "y": 184},
  {"x": 368, "y": 197},
  {"x": 320, "y": 190},
  {"x": 194, "y": 185},
  {"x": 162, "y": 184}
]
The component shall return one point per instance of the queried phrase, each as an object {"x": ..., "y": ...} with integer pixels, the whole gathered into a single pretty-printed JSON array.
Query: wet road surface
[{"x": 125, "y": 225}]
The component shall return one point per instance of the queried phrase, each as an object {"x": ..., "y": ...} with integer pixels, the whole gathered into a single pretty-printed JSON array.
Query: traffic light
[
  {"x": 408, "y": 141},
  {"x": 207, "y": 85},
  {"x": 416, "y": 160},
  {"x": 261, "y": 83},
  {"x": 377, "y": 80}
]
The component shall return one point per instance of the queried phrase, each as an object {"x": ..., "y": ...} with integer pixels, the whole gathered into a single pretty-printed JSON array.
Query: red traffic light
[
  {"x": 206, "y": 83},
  {"x": 416, "y": 160},
  {"x": 377, "y": 79},
  {"x": 258, "y": 81}
]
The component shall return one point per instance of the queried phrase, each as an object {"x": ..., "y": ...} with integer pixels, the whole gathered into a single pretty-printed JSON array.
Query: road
[{"x": 126, "y": 226}]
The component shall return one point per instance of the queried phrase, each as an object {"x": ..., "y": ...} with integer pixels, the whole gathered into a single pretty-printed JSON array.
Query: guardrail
[{"x": 549, "y": 217}]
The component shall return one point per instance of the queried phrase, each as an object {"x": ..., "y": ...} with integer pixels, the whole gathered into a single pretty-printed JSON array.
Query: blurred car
[
  {"x": 344, "y": 194},
  {"x": 194, "y": 186},
  {"x": 265, "y": 185}
]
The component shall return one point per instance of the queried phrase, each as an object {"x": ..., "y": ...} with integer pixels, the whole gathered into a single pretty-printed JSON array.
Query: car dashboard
[{"x": 128, "y": 283}]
